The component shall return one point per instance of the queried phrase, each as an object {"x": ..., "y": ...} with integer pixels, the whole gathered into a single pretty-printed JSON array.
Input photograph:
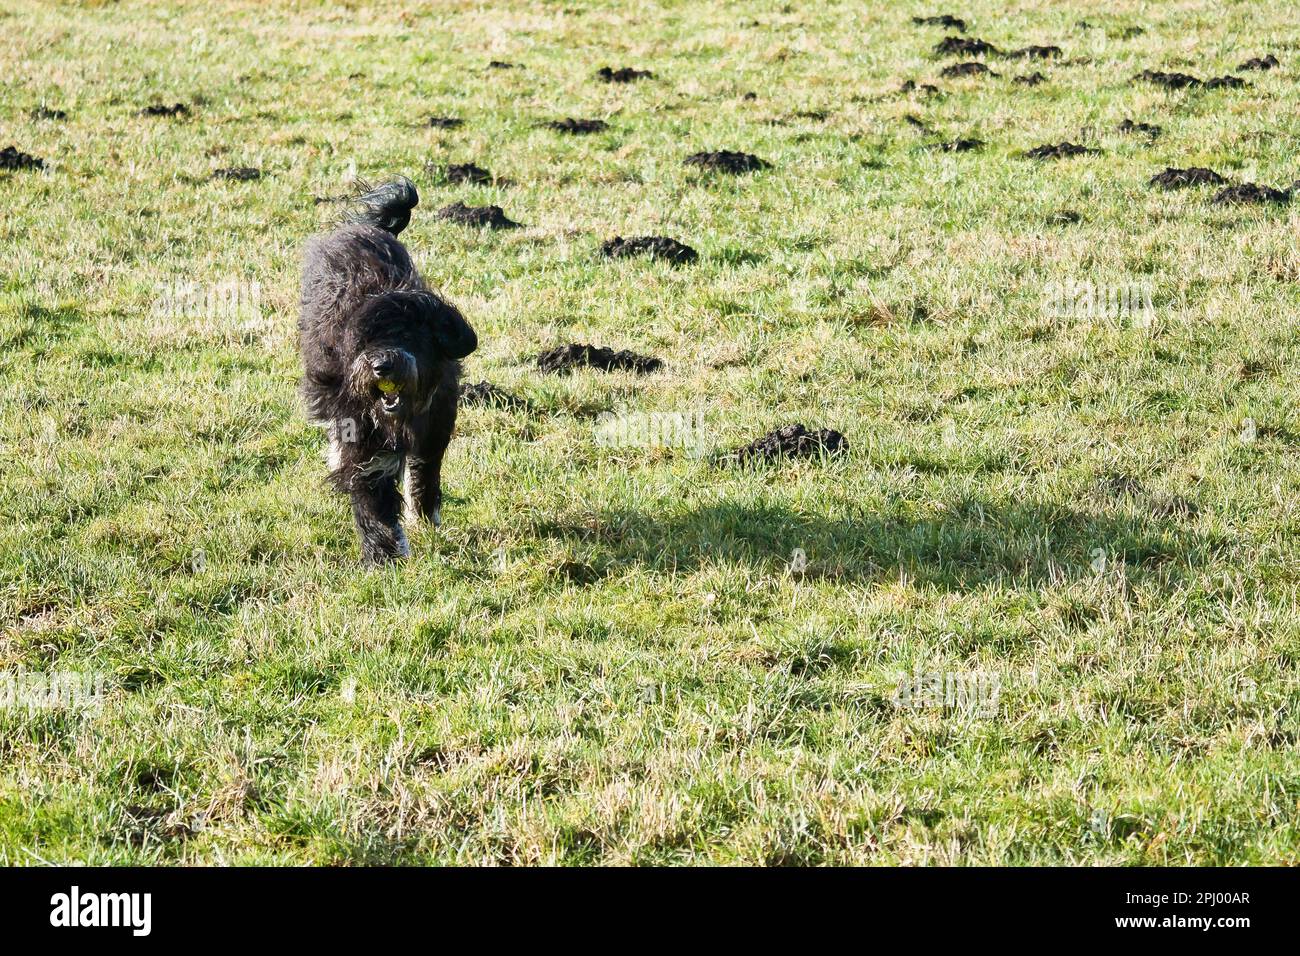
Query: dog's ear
[{"x": 453, "y": 336}]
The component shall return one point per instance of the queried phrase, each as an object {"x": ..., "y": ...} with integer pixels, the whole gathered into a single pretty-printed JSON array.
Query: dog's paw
[{"x": 386, "y": 548}]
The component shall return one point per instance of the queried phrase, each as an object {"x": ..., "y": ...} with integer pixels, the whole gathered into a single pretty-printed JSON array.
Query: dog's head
[{"x": 400, "y": 342}]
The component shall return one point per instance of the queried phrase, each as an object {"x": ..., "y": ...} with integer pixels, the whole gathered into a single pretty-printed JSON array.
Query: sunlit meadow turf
[{"x": 606, "y": 654}]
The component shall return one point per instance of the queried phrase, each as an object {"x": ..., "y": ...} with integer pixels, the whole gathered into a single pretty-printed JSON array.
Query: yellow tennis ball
[{"x": 386, "y": 386}]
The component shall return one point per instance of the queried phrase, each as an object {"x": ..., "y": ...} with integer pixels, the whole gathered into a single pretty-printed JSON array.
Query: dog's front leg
[
  {"x": 424, "y": 487},
  {"x": 376, "y": 506},
  {"x": 424, "y": 464}
]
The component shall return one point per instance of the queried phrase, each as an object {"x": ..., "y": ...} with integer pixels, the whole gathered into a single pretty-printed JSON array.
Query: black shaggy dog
[{"x": 380, "y": 353}]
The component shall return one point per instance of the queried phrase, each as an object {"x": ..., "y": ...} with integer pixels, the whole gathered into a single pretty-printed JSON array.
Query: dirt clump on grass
[
  {"x": 942, "y": 20},
  {"x": 1036, "y": 53},
  {"x": 446, "y": 122},
  {"x": 1268, "y": 62},
  {"x": 789, "y": 441},
  {"x": 162, "y": 109},
  {"x": 726, "y": 161},
  {"x": 487, "y": 395},
  {"x": 1251, "y": 194},
  {"x": 565, "y": 358},
  {"x": 1173, "y": 81},
  {"x": 45, "y": 113},
  {"x": 656, "y": 247},
  {"x": 1180, "y": 81},
  {"x": 503, "y": 65},
  {"x": 969, "y": 68},
  {"x": 965, "y": 145},
  {"x": 467, "y": 173},
  {"x": 240, "y": 174},
  {"x": 489, "y": 217},
  {"x": 1058, "y": 151},
  {"x": 577, "y": 127},
  {"x": 11, "y": 157},
  {"x": 964, "y": 46},
  {"x": 624, "y": 75},
  {"x": 1030, "y": 79},
  {"x": 1173, "y": 178}
]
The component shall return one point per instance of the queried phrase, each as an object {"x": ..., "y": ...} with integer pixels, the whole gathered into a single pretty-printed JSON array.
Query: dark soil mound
[
  {"x": 1250, "y": 193},
  {"x": 1064, "y": 217},
  {"x": 45, "y": 113},
  {"x": 1030, "y": 79},
  {"x": 911, "y": 119},
  {"x": 1058, "y": 151},
  {"x": 964, "y": 46},
  {"x": 446, "y": 122},
  {"x": 1260, "y": 63},
  {"x": 1174, "y": 81},
  {"x": 1226, "y": 83},
  {"x": 243, "y": 174},
  {"x": 791, "y": 441},
  {"x": 657, "y": 247},
  {"x": 566, "y": 358},
  {"x": 487, "y": 395},
  {"x": 12, "y": 158},
  {"x": 727, "y": 161},
  {"x": 503, "y": 65},
  {"x": 577, "y": 126},
  {"x": 1036, "y": 52},
  {"x": 960, "y": 145},
  {"x": 1173, "y": 178},
  {"x": 491, "y": 217},
  {"x": 942, "y": 20},
  {"x": 162, "y": 109},
  {"x": 1146, "y": 129},
  {"x": 466, "y": 173},
  {"x": 624, "y": 75},
  {"x": 969, "y": 68}
]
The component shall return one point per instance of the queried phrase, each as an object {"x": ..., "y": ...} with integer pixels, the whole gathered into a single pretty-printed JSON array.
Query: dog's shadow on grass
[{"x": 959, "y": 545}]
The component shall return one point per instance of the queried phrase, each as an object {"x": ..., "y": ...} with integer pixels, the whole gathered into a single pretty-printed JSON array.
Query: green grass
[{"x": 605, "y": 655}]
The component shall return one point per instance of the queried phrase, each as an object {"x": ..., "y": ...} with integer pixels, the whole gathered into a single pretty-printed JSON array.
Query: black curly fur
[{"x": 369, "y": 319}]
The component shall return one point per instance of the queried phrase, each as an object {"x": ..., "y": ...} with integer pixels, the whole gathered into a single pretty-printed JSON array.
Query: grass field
[{"x": 625, "y": 653}]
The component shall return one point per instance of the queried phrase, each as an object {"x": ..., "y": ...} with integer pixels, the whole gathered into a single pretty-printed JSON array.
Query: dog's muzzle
[{"x": 390, "y": 377}]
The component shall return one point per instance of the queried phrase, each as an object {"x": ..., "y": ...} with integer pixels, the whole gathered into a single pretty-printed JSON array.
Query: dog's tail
[{"x": 387, "y": 205}]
